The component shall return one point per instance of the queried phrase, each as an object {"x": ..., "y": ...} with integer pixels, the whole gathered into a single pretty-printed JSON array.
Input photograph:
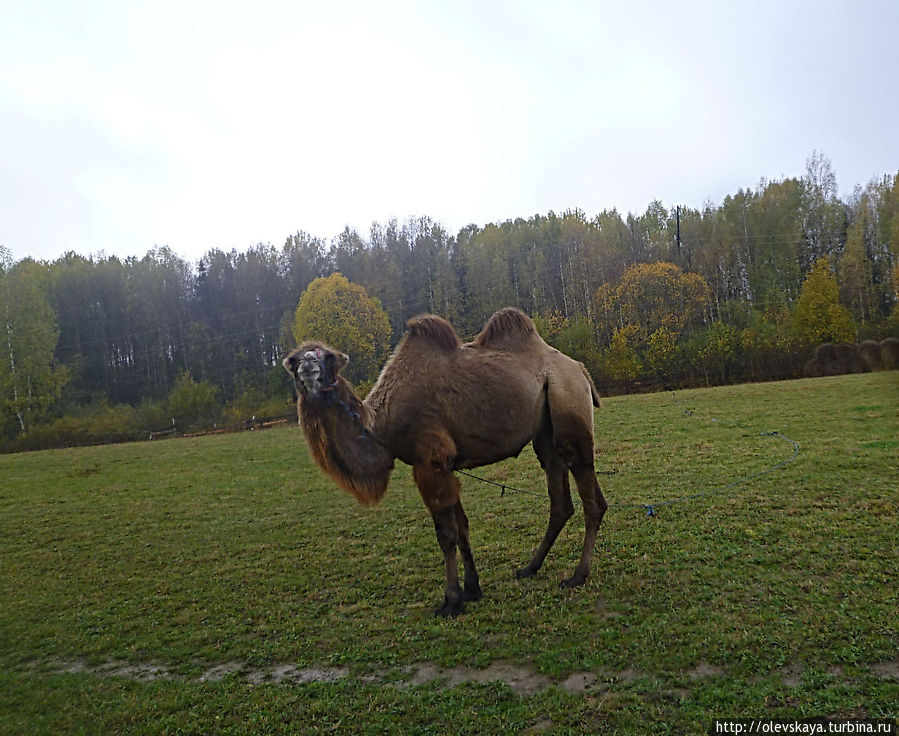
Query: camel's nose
[{"x": 310, "y": 368}]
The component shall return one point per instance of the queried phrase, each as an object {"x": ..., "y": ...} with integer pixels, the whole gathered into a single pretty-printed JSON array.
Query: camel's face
[
  {"x": 310, "y": 371},
  {"x": 315, "y": 368},
  {"x": 306, "y": 368}
]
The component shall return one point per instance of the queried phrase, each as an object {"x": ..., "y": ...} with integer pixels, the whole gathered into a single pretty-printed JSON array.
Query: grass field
[{"x": 222, "y": 585}]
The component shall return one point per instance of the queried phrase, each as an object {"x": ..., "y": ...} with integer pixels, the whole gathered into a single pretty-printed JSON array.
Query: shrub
[
  {"x": 662, "y": 353},
  {"x": 576, "y": 338},
  {"x": 620, "y": 360},
  {"x": 193, "y": 402},
  {"x": 101, "y": 425},
  {"x": 255, "y": 403}
]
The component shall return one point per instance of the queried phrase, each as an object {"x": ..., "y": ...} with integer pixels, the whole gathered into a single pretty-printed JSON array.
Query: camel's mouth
[
  {"x": 310, "y": 370},
  {"x": 310, "y": 379}
]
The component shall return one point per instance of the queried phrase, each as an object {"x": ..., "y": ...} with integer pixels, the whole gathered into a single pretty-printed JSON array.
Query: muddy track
[{"x": 519, "y": 679}]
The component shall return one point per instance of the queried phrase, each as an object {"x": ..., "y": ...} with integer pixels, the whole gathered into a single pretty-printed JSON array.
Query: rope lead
[{"x": 651, "y": 507}]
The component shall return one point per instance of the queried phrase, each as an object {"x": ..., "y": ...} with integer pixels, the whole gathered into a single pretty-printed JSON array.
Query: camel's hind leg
[
  {"x": 571, "y": 414},
  {"x": 594, "y": 509},
  {"x": 560, "y": 506}
]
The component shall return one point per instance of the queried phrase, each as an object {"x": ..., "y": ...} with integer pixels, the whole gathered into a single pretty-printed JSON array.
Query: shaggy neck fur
[{"x": 342, "y": 445}]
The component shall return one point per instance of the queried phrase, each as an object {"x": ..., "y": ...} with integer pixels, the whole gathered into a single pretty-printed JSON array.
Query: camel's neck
[{"x": 338, "y": 431}]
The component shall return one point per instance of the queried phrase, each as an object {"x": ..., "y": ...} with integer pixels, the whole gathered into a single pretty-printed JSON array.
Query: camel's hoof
[
  {"x": 575, "y": 581},
  {"x": 449, "y": 610},
  {"x": 473, "y": 593},
  {"x": 525, "y": 572}
]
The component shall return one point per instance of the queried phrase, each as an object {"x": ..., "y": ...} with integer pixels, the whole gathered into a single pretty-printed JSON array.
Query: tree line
[{"x": 671, "y": 296}]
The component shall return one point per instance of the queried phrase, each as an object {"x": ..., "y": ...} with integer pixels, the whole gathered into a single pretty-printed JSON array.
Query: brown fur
[
  {"x": 357, "y": 463},
  {"x": 439, "y": 405},
  {"x": 505, "y": 330},
  {"x": 436, "y": 330},
  {"x": 360, "y": 474}
]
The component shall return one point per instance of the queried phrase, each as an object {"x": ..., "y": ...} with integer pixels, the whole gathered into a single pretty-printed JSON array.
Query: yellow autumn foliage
[
  {"x": 653, "y": 296},
  {"x": 343, "y": 315}
]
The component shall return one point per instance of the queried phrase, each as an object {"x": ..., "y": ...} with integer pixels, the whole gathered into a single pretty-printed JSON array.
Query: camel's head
[
  {"x": 336, "y": 423},
  {"x": 315, "y": 368}
]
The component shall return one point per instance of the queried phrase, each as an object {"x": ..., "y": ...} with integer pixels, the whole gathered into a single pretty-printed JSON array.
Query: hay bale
[
  {"x": 813, "y": 369},
  {"x": 828, "y": 359},
  {"x": 835, "y": 360},
  {"x": 869, "y": 350},
  {"x": 889, "y": 353},
  {"x": 850, "y": 359}
]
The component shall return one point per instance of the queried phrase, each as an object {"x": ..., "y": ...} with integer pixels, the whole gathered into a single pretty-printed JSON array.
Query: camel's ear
[
  {"x": 336, "y": 361},
  {"x": 292, "y": 364}
]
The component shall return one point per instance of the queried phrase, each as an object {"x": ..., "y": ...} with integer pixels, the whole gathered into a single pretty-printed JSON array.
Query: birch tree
[{"x": 29, "y": 378}]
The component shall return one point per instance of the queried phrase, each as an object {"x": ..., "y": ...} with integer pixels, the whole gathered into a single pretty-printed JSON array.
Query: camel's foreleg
[
  {"x": 447, "y": 529},
  {"x": 472, "y": 591},
  {"x": 439, "y": 490}
]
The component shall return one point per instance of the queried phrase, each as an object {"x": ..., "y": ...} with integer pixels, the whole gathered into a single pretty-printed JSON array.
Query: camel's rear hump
[{"x": 505, "y": 330}]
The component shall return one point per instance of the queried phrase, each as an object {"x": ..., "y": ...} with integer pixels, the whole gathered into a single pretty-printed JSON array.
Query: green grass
[{"x": 774, "y": 598}]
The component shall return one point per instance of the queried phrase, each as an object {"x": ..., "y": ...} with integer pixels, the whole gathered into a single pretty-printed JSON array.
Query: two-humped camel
[{"x": 440, "y": 405}]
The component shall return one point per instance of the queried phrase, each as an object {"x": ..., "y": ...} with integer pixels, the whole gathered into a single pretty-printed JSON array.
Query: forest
[{"x": 98, "y": 348}]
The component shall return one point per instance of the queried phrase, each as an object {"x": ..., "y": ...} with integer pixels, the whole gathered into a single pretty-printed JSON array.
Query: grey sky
[{"x": 126, "y": 125}]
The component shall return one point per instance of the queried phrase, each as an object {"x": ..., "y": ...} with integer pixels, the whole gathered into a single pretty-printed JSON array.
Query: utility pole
[{"x": 677, "y": 210}]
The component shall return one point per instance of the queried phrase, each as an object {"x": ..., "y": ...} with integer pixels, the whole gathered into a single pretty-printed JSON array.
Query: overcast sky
[{"x": 125, "y": 125}]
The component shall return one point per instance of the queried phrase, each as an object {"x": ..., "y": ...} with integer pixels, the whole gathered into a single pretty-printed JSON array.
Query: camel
[{"x": 440, "y": 405}]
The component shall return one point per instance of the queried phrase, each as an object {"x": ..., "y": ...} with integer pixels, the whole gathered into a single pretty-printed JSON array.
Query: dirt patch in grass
[
  {"x": 703, "y": 670},
  {"x": 291, "y": 674},
  {"x": 792, "y": 675},
  {"x": 143, "y": 672},
  {"x": 221, "y": 671},
  {"x": 522, "y": 680},
  {"x": 888, "y": 670}
]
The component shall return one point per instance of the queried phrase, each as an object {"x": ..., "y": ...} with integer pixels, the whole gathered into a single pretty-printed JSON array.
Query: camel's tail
[{"x": 593, "y": 391}]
